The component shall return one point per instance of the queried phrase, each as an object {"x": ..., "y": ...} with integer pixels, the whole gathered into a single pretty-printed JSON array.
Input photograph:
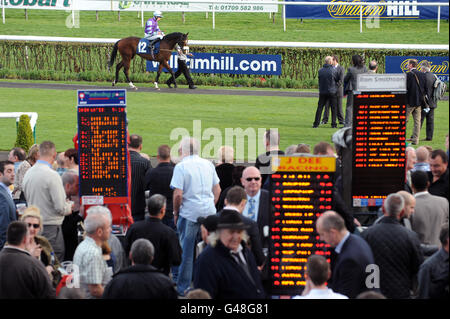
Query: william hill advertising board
[{"x": 340, "y": 9}]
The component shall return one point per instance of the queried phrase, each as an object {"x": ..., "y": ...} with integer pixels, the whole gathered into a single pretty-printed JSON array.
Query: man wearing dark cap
[
  {"x": 227, "y": 268},
  {"x": 208, "y": 227}
]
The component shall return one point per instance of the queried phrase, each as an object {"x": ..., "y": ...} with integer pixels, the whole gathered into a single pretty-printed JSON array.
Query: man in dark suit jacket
[
  {"x": 157, "y": 181},
  {"x": 236, "y": 199},
  {"x": 328, "y": 80},
  {"x": 429, "y": 90},
  {"x": 7, "y": 207},
  {"x": 139, "y": 167},
  {"x": 415, "y": 89},
  {"x": 226, "y": 269},
  {"x": 340, "y": 72},
  {"x": 257, "y": 206},
  {"x": 351, "y": 255},
  {"x": 163, "y": 238}
]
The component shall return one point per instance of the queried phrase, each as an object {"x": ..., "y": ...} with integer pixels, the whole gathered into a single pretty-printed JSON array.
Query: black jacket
[
  {"x": 397, "y": 252},
  {"x": 140, "y": 282},
  {"x": 414, "y": 92},
  {"x": 157, "y": 180},
  {"x": 439, "y": 187},
  {"x": 23, "y": 276},
  {"x": 348, "y": 269},
  {"x": 139, "y": 167},
  {"x": 225, "y": 173},
  {"x": 217, "y": 272},
  {"x": 429, "y": 88},
  {"x": 255, "y": 239},
  {"x": 164, "y": 239},
  {"x": 328, "y": 79}
]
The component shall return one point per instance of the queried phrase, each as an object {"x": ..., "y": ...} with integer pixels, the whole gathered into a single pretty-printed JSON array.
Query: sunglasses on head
[
  {"x": 35, "y": 226},
  {"x": 249, "y": 179}
]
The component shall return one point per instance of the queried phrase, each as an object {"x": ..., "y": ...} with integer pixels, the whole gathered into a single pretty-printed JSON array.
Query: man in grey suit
[
  {"x": 7, "y": 207},
  {"x": 340, "y": 92},
  {"x": 430, "y": 213},
  {"x": 429, "y": 90}
]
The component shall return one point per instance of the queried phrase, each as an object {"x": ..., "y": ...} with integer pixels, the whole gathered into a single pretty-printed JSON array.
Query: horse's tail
[{"x": 113, "y": 54}]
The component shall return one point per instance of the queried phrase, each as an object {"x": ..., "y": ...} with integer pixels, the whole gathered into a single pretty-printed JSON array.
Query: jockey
[{"x": 152, "y": 31}]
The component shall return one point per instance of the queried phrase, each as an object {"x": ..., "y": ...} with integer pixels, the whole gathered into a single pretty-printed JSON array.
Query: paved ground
[{"x": 164, "y": 89}]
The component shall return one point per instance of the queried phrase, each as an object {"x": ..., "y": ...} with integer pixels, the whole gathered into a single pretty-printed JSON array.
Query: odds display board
[
  {"x": 102, "y": 140},
  {"x": 379, "y": 126},
  {"x": 301, "y": 189}
]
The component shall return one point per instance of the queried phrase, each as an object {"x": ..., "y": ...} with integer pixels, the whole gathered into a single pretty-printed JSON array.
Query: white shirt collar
[{"x": 420, "y": 193}]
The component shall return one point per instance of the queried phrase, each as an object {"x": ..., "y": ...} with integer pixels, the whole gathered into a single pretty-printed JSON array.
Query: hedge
[{"x": 56, "y": 61}]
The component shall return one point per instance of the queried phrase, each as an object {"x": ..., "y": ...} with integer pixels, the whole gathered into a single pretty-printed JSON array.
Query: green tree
[{"x": 24, "y": 133}]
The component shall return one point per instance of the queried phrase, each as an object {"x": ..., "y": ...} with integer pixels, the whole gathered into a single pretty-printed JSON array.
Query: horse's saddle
[{"x": 144, "y": 46}]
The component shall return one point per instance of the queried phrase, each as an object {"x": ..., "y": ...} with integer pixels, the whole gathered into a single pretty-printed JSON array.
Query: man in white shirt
[
  {"x": 317, "y": 273},
  {"x": 196, "y": 190}
]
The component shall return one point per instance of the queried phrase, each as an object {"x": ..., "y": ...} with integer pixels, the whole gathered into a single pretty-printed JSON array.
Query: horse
[{"x": 127, "y": 48}]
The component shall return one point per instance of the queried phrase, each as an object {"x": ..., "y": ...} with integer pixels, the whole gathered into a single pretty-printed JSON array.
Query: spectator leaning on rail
[{"x": 196, "y": 191}]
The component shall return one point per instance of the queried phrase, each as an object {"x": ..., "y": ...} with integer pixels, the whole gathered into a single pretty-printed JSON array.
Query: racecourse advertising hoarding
[
  {"x": 339, "y": 9},
  {"x": 92, "y": 5},
  {"x": 260, "y": 64},
  {"x": 399, "y": 64}
]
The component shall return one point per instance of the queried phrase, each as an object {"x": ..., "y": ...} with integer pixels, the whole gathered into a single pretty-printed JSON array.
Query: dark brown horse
[{"x": 127, "y": 48}]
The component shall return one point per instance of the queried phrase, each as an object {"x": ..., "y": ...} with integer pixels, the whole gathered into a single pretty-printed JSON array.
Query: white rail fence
[
  {"x": 336, "y": 45},
  {"x": 282, "y": 3}
]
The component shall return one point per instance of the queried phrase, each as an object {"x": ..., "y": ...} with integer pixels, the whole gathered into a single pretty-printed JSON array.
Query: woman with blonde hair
[
  {"x": 43, "y": 250},
  {"x": 23, "y": 168}
]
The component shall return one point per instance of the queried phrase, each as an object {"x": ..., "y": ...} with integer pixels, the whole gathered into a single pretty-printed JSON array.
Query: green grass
[
  {"x": 155, "y": 115},
  {"x": 229, "y": 26}
]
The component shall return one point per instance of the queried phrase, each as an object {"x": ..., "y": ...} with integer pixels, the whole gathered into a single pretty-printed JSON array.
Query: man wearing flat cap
[{"x": 227, "y": 268}]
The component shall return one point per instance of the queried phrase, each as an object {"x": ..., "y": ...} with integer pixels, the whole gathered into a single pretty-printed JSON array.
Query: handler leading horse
[{"x": 127, "y": 48}]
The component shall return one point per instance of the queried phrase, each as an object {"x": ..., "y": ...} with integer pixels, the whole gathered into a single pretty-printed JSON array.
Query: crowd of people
[{"x": 201, "y": 230}]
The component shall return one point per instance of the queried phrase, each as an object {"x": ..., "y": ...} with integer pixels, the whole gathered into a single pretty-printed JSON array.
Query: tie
[
  {"x": 242, "y": 265},
  {"x": 251, "y": 209}
]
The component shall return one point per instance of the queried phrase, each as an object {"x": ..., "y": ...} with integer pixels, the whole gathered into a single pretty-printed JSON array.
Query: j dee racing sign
[{"x": 259, "y": 64}]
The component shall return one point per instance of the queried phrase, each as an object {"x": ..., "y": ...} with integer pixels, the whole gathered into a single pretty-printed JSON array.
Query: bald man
[
  {"x": 351, "y": 255},
  {"x": 257, "y": 206},
  {"x": 422, "y": 159}
]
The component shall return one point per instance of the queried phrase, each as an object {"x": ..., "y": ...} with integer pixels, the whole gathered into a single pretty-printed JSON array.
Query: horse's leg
[
  {"x": 157, "y": 76},
  {"x": 118, "y": 67},
  {"x": 166, "y": 65},
  {"x": 126, "y": 68}
]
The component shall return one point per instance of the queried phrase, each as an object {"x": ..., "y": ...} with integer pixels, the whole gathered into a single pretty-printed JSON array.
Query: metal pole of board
[
  {"x": 214, "y": 17},
  {"x": 439, "y": 19},
  {"x": 3, "y": 11},
  {"x": 360, "y": 19},
  {"x": 284, "y": 17}
]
